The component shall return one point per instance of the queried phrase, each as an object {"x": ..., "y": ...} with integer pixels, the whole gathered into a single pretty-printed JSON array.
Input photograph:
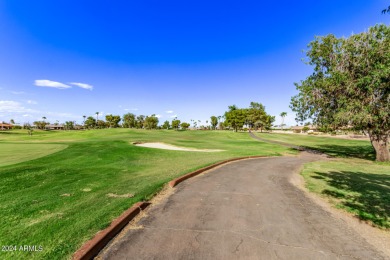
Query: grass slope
[{"x": 60, "y": 201}]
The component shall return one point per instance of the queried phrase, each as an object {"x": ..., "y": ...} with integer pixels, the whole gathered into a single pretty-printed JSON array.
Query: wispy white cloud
[
  {"x": 59, "y": 114},
  {"x": 9, "y": 106},
  {"x": 173, "y": 116},
  {"x": 169, "y": 112},
  {"x": 18, "y": 92},
  {"x": 16, "y": 110},
  {"x": 158, "y": 116},
  {"x": 131, "y": 109},
  {"x": 82, "y": 85},
  {"x": 50, "y": 84},
  {"x": 32, "y": 102}
]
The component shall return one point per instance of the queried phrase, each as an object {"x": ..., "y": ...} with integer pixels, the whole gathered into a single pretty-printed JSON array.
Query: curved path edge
[
  {"x": 180, "y": 179},
  {"x": 92, "y": 248}
]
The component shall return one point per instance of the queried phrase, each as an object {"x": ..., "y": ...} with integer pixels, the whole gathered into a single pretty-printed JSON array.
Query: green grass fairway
[
  {"x": 12, "y": 153},
  {"x": 359, "y": 186},
  {"x": 332, "y": 146},
  {"x": 61, "y": 200}
]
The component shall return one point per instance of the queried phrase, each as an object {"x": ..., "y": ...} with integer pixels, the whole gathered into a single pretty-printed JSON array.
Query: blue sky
[{"x": 191, "y": 59}]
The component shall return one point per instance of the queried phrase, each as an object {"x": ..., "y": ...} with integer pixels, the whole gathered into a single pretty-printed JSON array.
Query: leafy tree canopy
[
  {"x": 113, "y": 121},
  {"x": 184, "y": 125},
  {"x": 214, "y": 122},
  {"x": 90, "y": 122},
  {"x": 175, "y": 124},
  {"x": 166, "y": 125},
  {"x": 129, "y": 120},
  {"x": 350, "y": 85},
  {"x": 151, "y": 122},
  {"x": 254, "y": 117}
]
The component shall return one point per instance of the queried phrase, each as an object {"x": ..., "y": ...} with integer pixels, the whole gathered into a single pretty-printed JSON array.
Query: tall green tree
[
  {"x": 40, "y": 124},
  {"x": 350, "y": 85},
  {"x": 113, "y": 120},
  {"x": 254, "y": 116},
  {"x": 129, "y": 120},
  {"x": 184, "y": 125},
  {"x": 140, "y": 121},
  {"x": 214, "y": 122},
  {"x": 90, "y": 122},
  {"x": 236, "y": 118},
  {"x": 264, "y": 123},
  {"x": 151, "y": 122},
  {"x": 69, "y": 125},
  {"x": 256, "y": 113},
  {"x": 166, "y": 125},
  {"x": 175, "y": 124},
  {"x": 100, "y": 124}
]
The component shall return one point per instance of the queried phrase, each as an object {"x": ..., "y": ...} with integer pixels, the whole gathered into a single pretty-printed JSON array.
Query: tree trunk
[{"x": 380, "y": 142}]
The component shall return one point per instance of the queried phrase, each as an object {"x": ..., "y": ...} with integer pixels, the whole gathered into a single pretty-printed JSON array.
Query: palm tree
[
  {"x": 84, "y": 120},
  {"x": 283, "y": 115},
  {"x": 97, "y": 118},
  {"x": 43, "y": 125}
]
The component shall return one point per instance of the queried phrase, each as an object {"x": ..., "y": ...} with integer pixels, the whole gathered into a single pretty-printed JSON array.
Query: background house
[
  {"x": 5, "y": 126},
  {"x": 298, "y": 129},
  {"x": 54, "y": 127}
]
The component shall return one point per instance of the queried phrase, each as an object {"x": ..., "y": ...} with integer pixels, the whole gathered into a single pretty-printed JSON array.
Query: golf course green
[{"x": 58, "y": 188}]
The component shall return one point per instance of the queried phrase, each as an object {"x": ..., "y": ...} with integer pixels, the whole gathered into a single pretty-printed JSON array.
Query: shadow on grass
[
  {"x": 365, "y": 194},
  {"x": 361, "y": 151}
]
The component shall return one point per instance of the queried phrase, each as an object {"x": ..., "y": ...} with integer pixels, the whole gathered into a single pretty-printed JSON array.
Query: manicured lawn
[
  {"x": 360, "y": 187},
  {"x": 352, "y": 181},
  {"x": 11, "y": 153},
  {"x": 61, "y": 200},
  {"x": 332, "y": 146}
]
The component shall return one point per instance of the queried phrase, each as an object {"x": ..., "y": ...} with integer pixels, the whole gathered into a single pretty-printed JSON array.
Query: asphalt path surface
[{"x": 243, "y": 210}]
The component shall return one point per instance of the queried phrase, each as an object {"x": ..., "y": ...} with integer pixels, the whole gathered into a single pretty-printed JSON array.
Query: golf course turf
[
  {"x": 61, "y": 200},
  {"x": 58, "y": 188}
]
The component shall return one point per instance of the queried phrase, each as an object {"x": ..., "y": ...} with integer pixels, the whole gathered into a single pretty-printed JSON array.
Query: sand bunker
[{"x": 177, "y": 148}]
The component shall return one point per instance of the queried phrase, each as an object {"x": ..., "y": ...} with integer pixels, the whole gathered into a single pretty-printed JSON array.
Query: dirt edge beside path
[{"x": 378, "y": 238}]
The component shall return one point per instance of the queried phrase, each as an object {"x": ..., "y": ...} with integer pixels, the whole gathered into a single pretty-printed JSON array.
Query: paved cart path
[{"x": 243, "y": 210}]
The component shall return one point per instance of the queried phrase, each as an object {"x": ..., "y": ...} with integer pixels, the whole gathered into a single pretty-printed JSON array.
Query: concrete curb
[
  {"x": 176, "y": 181},
  {"x": 92, "y": 248}
]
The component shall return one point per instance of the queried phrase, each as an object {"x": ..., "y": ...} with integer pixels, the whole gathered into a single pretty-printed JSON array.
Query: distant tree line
[{"x": 253, "y": 117}]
